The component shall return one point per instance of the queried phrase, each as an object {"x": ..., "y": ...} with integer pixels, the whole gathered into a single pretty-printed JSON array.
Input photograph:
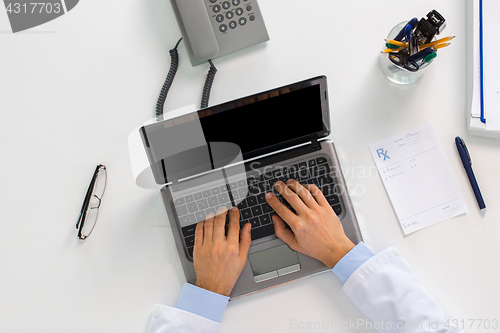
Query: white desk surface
[{"x": 72, "y": 90}]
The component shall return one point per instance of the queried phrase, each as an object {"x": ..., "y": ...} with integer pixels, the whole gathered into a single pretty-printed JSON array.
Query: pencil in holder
[{"x": 394, "y": 64}]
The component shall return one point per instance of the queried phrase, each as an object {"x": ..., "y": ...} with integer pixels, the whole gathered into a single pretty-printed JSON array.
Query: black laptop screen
[
  {"x": 267, "y": 122},
  {"x": 258, "y": 124}
]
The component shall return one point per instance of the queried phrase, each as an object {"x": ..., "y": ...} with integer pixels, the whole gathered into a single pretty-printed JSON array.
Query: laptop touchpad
[{"x": 271, "y": 263}]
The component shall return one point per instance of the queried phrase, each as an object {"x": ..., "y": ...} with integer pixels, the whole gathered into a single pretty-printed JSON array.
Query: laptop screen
[{"x": 257, "y": 124}]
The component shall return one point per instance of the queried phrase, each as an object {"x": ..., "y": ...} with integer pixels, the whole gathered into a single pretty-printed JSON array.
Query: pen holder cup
[{"x": 396, "y": 73}]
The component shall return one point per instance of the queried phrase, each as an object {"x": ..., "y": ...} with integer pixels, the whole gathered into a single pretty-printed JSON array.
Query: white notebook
[{"x": 490, "y": 62}]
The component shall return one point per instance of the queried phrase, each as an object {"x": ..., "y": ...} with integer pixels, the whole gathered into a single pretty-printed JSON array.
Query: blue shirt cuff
[
  {"x": 202, "y": 302},
  {"x": 352, "y": 261}
]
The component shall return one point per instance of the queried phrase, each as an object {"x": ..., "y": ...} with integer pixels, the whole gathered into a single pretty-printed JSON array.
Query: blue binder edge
[{"x": 483, "y": 120}]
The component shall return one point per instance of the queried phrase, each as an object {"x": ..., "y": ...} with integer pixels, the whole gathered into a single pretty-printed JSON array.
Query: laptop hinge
[{"x": 315, "y": 143}]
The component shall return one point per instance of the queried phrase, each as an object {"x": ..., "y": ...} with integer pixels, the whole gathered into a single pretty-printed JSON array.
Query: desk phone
[{"x": 213, "y": 28}]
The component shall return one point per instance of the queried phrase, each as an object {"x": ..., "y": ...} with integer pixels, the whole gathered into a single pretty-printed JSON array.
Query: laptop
[{"x": 231, "y": 154}]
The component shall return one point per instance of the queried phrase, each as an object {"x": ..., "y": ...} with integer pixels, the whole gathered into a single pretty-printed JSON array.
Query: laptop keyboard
[{"x": 195, "y": 207}]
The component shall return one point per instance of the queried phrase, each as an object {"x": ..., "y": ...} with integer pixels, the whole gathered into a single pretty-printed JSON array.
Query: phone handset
[
  {"x": 215, "y": 28},
  {"x": 198, "y": 28}
]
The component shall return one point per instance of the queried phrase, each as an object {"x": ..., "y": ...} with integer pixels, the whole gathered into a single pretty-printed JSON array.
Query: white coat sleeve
[
  {"x": 387, "y": 290},
  {"x": 172, "y": 320}
]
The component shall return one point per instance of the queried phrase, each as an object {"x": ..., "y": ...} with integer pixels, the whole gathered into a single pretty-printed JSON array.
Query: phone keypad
[{"x": 227, "y": 9}]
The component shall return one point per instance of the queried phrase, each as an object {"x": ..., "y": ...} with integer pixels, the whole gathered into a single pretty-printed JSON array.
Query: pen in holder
[
  {"x": 400, "y": 70},
  {"x": 411, "y": 47}
]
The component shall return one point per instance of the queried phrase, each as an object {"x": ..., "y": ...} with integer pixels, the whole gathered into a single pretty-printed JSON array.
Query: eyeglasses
[{"x": 90, "y": 209}]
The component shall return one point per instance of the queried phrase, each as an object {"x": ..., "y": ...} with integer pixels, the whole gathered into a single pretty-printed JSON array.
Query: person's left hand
[{"x": 218, "y": 260}]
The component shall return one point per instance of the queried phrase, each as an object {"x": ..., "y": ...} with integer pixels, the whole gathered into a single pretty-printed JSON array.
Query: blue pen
[
  {"x": 399, "y": 37},
  {"x": 408, "y": 30},
  {"x": 466, "y": 161}
]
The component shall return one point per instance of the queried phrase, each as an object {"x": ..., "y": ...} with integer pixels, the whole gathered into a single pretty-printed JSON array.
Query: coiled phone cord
[
  {"x": 174, "y": 64},
  {"x": 208, "y": 84}
]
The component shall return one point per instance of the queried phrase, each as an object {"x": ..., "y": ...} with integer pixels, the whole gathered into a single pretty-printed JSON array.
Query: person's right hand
[{"x": 316, "y": 230}]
